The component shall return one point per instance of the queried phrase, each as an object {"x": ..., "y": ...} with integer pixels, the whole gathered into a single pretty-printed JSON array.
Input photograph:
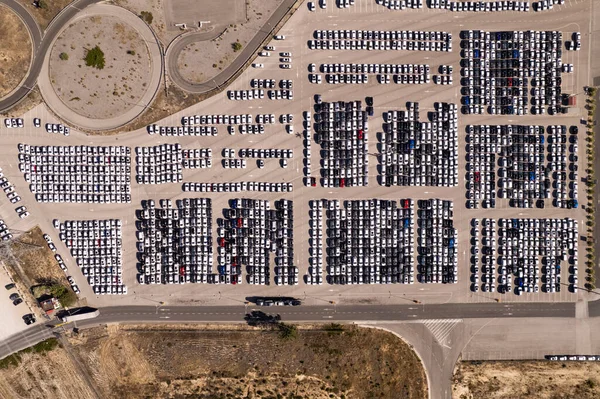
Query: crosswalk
[{"x": 441, "y": 328}]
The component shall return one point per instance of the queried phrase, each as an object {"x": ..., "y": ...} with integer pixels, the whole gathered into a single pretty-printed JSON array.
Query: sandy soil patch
[
  {"x": 535, "y": 380},
  {"x": 169, "y": 362},
  {"x": 95, "y": 93},
  {"x": 201, "y": 61},
  {"x": 15, "y": 51}
]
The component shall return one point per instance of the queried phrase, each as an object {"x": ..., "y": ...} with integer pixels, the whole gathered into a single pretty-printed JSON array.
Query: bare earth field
[
  {"x": 535, "y": 379},
  {"x": 239, "y": 362},
  {"x": 102, "y": 93},
  {"x": 15, "y": 51},
  {"x": 200, "y": 61}
]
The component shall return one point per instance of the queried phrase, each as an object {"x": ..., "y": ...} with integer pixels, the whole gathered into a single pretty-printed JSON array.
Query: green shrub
[
  {"x": 95, "y": 58},
  {"x": 63, "y": 56},
  {"x": 147, "y": 17},
  {"x": 237, "y": 46},
  {"x": 131, "y": 52},
  {"x": 288, "y": 331}
]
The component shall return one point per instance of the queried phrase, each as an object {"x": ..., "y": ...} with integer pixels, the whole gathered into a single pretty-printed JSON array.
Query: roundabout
[
  {"x": 109, "y": 91},
  {"x": 107, "y": 96}
]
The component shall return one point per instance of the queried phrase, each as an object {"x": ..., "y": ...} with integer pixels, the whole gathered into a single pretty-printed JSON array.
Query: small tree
[
  {"x": 64, "y": 56},
  {"x": 95, "y": 58},
  {"x": 237, "y": 46},
  {"x": 63, "y": 294}
]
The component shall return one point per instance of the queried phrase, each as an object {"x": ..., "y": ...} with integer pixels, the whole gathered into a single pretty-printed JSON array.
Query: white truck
[{"x": 67, "y": 318}]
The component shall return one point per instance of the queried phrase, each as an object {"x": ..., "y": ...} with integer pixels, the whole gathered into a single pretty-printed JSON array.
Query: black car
[
  {"x": 17, "y": 301},
  {"x": 14, "y": 296},
  {"x": 29, "y": 318}
]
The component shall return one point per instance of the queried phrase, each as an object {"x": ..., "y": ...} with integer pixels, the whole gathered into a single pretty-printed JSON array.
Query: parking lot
[{"x": 386, "y": 97}]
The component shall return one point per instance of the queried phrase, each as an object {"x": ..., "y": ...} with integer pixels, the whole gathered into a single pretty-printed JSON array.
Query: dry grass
[
  {"x": 527, "y": 379},
  {"x": 50, "y": 375},
  {"x": 15, "y": 51},
  {"x": 173, "y": 363},
  {"x": 36, "y": 259},
  {"x": 43, "y": 16}
]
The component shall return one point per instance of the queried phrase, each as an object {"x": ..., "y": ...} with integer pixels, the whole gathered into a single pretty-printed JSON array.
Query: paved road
[
  {"x": 352, "y": 313},
  {"x": 42, "y": 46},
  {"x": 179, "y": 44}
]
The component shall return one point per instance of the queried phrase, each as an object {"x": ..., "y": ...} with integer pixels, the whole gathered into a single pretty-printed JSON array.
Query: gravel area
[
  {"x": 92, "y": 92},
  {"x": 201, "y": 61}
]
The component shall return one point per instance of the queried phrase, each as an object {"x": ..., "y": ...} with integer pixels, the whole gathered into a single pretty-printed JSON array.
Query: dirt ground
[
  {"x": 201, "y": 61},
  {"x": 242, "y": 362},
  {"x": 15, "y": 51},
  {"x": 105, "y": 93},
  {"x": 44, "y": 15},
  {"x": 535, "y": 380}
]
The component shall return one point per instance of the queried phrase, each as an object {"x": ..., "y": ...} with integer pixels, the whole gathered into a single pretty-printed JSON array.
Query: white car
[
  {"x": 258, "y": 65},
  {"x": 279, "y": 37}
]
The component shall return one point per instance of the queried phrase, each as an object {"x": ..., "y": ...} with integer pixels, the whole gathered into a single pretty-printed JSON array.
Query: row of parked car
[
  {"x": 481, "y": 6},
  {"x": 196, "y": 158},
  {"x": 531, "y": 255},
  {"x": 381, "y": 40},
  {"x": 96, "y": 246},
  {"x": 341, "y": 129},
  {"x": 498, "y": 69},
  {"x": 183, "y": 130},
  {"x": 237, "y": 187},
  {"x": 488, "y": 255},
  {"x": 5, "y": 233},
  {"x": 419, "y": 153},
  {"x": 368, "y": 241},
  {"x": 9, "y": 189},
  {"x": 248, "y": 233},
  {"x": 95, "y": 174},
  {"x": 400, "y": 4},
  {"x": 159, "y": 164},
  {"x": 437, "y": 243},
  {"x": 175, "y": 242},
  {"x": 525, "y": 164}
]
